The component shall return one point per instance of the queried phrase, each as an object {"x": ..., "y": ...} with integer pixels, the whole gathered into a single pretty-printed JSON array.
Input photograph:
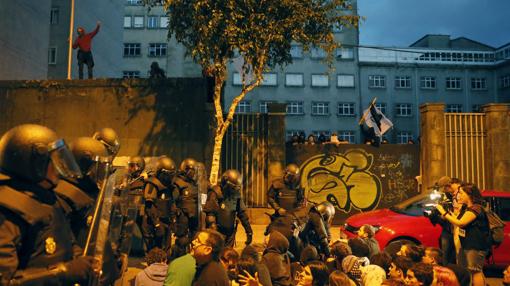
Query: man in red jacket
[{"x": 84, "y": 44}]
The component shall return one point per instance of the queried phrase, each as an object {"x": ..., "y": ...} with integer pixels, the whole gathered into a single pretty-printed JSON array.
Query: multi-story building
[{"x": 146, "y": 41}]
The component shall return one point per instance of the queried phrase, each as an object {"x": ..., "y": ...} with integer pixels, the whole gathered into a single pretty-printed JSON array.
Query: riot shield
[{"x": 202, "y": 184}]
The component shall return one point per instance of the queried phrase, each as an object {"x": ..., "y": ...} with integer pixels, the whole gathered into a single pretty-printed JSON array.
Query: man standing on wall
[{"x": 84, "y": 45}]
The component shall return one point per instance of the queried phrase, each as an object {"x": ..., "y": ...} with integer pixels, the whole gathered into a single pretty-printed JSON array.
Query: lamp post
[{"x": 70, "y": 51}]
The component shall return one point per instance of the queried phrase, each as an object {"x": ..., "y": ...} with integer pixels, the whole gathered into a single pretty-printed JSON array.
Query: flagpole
[{"x": 363, "y": 117}]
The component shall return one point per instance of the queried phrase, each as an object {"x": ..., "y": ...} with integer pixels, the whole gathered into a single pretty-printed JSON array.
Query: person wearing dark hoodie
[
  {"x": 277, "y": 260},
  {"x": 309, "y": 254},
  {"x": 263, "y": 273},
  {"x": 155, "y": 273}
]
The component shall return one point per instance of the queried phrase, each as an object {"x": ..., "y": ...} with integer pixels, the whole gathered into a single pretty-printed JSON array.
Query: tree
[{"x": 260, "y": 31}]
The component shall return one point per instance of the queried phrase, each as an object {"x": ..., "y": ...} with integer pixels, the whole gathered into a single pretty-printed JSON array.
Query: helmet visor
[
  {"x": 112, "y": 147},
  {"x": 63, "y": 160},
  {"x": 100, "y": 169}
]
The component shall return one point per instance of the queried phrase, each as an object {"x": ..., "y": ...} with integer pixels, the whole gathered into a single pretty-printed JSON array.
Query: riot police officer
[
  {"x": 186, "y": 199},
  {"x": 80, "y": 195},
  {"x": 316, "y": 231},
  {"x": 159, "y": 205},
  {"x": 285, "y": 194},
  {"x": 38, "y": 246},
  {"x": 224, "y": 204},
  {"x": 108, "y": 137}
]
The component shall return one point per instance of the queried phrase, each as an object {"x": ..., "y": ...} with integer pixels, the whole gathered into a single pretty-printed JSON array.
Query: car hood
[{"x": 377, "y": 217}]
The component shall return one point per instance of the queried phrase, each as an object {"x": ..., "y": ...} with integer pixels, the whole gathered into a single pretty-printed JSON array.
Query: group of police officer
[{"x": 48, "y": 203}]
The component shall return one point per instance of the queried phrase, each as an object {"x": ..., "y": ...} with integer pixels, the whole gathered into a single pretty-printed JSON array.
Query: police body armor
[
  {"x": 160, "y": 195},
  {"x": 225, "y": 209},
  {"x": 135, "y": 188},
  {"x": 187, "y": 199},
  {"x": 281, "y": 195},
  {"x": 46, "y": 237}
]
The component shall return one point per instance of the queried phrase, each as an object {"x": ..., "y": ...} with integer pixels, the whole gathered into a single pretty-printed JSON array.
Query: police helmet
[
  {"x": 326, "y": 210},
  {"x": 231, "y": 179},
  {"x": 291, "y": 175},
  {"x": 188, "y": 167},
  {"x": 108, "y": 137},
  {"x": 165, "y": 170},
  {"x": 136, "y": 165},
  {"x": 92, "y": 157},
  {"x": 26, "y": 152}
]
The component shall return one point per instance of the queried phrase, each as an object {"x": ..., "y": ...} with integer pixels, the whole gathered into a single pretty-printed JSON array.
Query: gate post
[
  {"x": 432, "y": 143},
  {"x": 497, "y": 127},
  {"x": 276, "y": 140}
]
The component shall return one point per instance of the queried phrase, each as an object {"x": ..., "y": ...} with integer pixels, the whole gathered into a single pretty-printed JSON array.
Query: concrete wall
[
  {"x": 167, "y": 117},
  {"x": 24, "y": 32},
  {"x": 106, "y": 45}
]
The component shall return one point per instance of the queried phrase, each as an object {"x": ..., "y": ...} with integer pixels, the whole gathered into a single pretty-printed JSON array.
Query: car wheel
[{"x": 394, "y": 246}]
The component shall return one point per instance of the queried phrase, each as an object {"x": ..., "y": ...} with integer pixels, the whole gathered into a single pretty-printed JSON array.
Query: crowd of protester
[{"x": 353, "y": 262}]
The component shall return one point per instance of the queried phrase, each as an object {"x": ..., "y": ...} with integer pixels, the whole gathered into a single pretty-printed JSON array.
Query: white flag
[{"x": 374, "y": 118}]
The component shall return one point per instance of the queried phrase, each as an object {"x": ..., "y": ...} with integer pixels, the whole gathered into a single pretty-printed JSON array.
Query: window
[
  {"x": 320, "y": 80},
  {"x": 127, "y": 22},
  {"x": 318, "y": 133},
  {"x": 505, "y": 81},
  {"x": 295, "y": 108},
  {"x": 376, "y": 81},
  {"x": 318, "y": 53},
  {"x": 54, "y": 15},
  {"x": 338, "y": 28},
  {"x": 403, "y": 110},
  {"x": 131, "y": 74},
  {"x": 52, "y": 56},
  {"x": 453, "y": 83},
  {"x": 476, "y": 108},
  {"x": 157, "y": 49},
  {"x": 428, "y": 82},
  {"x": 294, "y": 79},
  {"x": 404, "y": 136},
  {"x": 163, "y": 22},
  {"x": 345, "y": 80},
  {"x": 478, "y": 83},
  {"x": 263, "y": 106},
  {"x": 402, "y": 82},
  {"x": 243, "y": 107},
  {"x": 138, "y": 22},
  {"x": 344, "y": 54},
  {"x": 320, "y": 108},
  {"x": 132, "y": 49},
  {"x": 382, "y": 107},
  {"x": 296, "y": 51},
  {"x": 152, "y": 22},
  {"x": 453, "y": 108},
  {"x": 290, "y": 133},
  {"x": 236, "y": 79},
  {"x": 347, "y": 135},
  {"x": 134, "y": 2},
  {"x": 270, "y": 79},
  {"x": 346, "y": 109}
]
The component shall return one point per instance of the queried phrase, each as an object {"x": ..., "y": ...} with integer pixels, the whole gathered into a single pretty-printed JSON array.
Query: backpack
[{"x": 496, "y": 226}]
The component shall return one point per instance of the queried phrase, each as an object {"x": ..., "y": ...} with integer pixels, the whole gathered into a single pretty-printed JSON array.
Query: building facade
[{"x": 146, "y": 41}]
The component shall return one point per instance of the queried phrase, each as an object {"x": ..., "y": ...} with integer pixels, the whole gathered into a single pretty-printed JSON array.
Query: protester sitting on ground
[
  {"x": 339, "y": 250},
  {"x": 442, "y": 274},
  {"x": 339, "y": 278},
  {"x": 381, "y": 259},
  {"x": 393, "y": 282},
  {"x": 360, "y": 249},
  {"x": 372, "y": 275},
  {"x": 206, "y": 248},
  {"x": 182, "y": 268},
  {"x": 229, "y": 258},
  {"x": 276, "y": 259},
  {"x": 399, "y": 267},
  {"x": 308, "y": 254},
  {"x": 420, "y": 274},
  {"x": 263, "y": 273},
  {"x": 314, "y": 273},
  {"x": 366, "y": 232},
  {"x": 414, "y": 252},
  {"x": 506, "y": 276},
  {"x": 247, "y": 272},
  {"x": 352, "y": 267},
  {"x": 155, "y": 273}
]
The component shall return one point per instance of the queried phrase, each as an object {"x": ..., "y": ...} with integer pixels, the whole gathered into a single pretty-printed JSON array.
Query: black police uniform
[
  {"x": 34, "y": 234},
  {"x": 284, "y": 195},
  {"x": 186, "y": 201},
  {"x": 159, "y": 216},
  {"x": 316, "y": 232},
  {"x": 79, "y": 201},
  {"x": 222, "y": 208}
]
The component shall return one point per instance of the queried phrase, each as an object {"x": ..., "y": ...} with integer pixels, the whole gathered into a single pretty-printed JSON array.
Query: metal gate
[
  {"x": 245, "y": 149},
  {"x": 465, "y": 147}
]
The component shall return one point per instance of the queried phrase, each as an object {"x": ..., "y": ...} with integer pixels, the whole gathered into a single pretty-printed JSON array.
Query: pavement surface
[{"x": 136, "y": 264}]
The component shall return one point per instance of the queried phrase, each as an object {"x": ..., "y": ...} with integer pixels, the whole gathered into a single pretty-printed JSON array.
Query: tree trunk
[{"x": 215, "y": 165}]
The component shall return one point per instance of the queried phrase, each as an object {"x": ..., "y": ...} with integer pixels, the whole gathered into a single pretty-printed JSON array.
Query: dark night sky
[{"x": 401, "y": 22}]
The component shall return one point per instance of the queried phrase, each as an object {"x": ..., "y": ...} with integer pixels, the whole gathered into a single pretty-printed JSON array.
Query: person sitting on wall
[{"x": 156, "y": 71}]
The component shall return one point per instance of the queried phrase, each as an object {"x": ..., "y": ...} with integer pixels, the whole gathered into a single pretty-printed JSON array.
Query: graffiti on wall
[{"x": 345, "y": 180}]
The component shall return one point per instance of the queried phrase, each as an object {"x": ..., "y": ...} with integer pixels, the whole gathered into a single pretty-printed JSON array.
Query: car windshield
[{"x": 415, "y": 206}]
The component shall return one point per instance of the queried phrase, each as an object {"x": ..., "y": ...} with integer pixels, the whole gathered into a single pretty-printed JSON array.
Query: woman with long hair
[
  {"x": 315, "y": 273},
  {"x": 473, "y": 232}
]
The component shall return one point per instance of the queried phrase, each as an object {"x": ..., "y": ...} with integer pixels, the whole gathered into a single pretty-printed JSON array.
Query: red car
[{"x": 405, "y": 222}]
